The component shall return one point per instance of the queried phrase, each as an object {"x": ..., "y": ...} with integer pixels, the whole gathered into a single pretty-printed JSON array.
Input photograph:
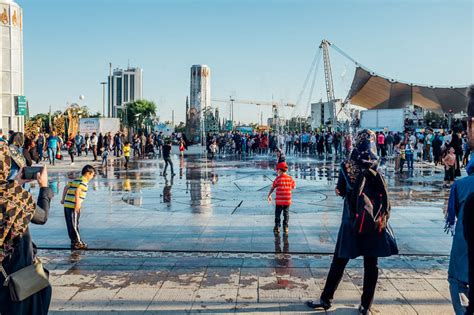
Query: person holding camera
[{"x": 17, "y": 251}]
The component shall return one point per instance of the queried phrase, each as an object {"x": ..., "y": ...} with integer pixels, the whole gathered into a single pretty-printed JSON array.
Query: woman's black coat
[{"x": 23, "y": 255}]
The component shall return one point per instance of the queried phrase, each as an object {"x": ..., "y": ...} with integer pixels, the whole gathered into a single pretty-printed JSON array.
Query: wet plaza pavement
[
  {"x": 101, "y": 282},
  {"x": 202, "y": 242},
  {"x": 221, "y": 206}
]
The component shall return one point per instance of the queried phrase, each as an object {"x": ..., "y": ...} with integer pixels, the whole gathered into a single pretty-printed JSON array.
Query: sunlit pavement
[
  {"x": 202, "y": 241},
  {"x": 90, "y": 282}
]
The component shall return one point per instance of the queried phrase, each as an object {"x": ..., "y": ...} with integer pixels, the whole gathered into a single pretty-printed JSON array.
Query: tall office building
[
  {"x": 12, "y": 99},
  {"x": 200, "y": 95},
  {"x": 125, "y": 86}
]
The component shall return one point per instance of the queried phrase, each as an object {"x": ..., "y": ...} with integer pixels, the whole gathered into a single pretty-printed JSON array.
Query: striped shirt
[
  {"x": 70, "y": 199},
  {"x": 284, "y": 184}
]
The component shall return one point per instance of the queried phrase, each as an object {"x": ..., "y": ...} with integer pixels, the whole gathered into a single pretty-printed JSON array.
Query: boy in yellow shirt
[
  {"x": 73, "y": 196},
  {"x": 126, "y": 153}
]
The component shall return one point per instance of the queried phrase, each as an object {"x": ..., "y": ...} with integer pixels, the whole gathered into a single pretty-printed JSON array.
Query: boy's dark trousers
[
  {"x": 72, "y": 223},
  {"x": 168, "y": 162},
  {"x": 286, "y": 215}
]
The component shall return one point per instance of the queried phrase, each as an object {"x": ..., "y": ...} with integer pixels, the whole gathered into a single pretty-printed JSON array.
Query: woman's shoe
[
  {"x": 322, "y": 304},
  {"x": 363, "y": 311}
]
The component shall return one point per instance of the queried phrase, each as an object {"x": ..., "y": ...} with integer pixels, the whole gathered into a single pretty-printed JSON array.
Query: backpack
[{"x": 370, "y": 204}]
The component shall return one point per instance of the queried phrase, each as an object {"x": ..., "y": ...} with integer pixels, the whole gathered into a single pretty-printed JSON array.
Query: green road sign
[{"x": 21, "y": 105}]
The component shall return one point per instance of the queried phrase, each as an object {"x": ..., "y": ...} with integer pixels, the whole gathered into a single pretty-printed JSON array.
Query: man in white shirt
[
  {"x": 94, "y": 140},
  {"x": 281, "y": 141},
  {"x": 289, "y": 142},
  {"x": 412, "y": 139}
]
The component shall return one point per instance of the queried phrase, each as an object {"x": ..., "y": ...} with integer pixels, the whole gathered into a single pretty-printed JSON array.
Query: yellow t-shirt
[
  {"x": 126, "y": 150},
  {"x": 70, "y": 199}
]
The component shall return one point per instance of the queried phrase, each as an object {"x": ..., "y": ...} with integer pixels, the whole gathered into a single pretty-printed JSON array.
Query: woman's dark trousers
[{"x": 371, "y": 273}]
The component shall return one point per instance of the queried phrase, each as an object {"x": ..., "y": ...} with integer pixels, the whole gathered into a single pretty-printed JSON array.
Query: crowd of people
[
  {"x": 360, "y": 184},
  {"x": 449, "y": 148}
]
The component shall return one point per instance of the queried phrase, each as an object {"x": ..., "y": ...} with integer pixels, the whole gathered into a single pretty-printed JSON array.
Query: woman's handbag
[{"x": 26, "y": 281}]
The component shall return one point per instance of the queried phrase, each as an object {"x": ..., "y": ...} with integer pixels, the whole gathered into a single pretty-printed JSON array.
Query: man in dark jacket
[
  {"x": 459, "y": 222},
  {"x": 167, "y": 158},
  {"x": 468, "y": 223}
]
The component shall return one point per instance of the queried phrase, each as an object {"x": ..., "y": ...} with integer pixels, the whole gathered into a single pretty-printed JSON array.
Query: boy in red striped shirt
[{"x": 283, "y": 184}]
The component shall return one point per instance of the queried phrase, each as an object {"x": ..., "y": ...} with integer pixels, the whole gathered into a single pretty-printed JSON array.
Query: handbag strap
[{"x": 5, "y": 275}]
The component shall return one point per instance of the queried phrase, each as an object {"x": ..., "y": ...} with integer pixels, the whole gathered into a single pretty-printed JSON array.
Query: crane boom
[
  {"x": 327, "y": 70},
  {"x": 252, "y": 102}
]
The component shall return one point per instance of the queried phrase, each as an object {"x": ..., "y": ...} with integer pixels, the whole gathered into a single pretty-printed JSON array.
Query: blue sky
[{"x": 256, "y": 49}]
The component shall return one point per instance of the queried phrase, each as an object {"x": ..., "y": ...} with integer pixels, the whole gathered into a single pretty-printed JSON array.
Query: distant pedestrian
[
  {"x": 283, "y": 184},
  {"x": 126, "y": 153},
  {"x": 449, "y": 161},
  {"x": 409, "y": 153},
  {"x": 94, "y": 142},
  {"x": 40, "y": 146},
  {"x": 79, "y": 141},
  {"x": 105, "y": 156},
  {"x": 53, "y": 145},
  {"x": 73, "y": 196},
  {"x": 212, "y": 150},
  {"x": 71, "y": 148},
  {"x": 167, "y": 158},
  {"x": 181, "y": 147}
]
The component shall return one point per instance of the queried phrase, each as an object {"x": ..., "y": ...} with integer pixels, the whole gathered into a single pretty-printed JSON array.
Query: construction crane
[
  {"x": 327, "y": 70},
  {"x": 324, "y": 46},
  {"x": 273, "y": 104}
]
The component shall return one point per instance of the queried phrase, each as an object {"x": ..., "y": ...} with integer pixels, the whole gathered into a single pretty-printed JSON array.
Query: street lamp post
[{"x": 103, "y": 97}]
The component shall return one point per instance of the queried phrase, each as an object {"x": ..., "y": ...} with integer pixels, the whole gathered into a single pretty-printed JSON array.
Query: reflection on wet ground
[{"x": 221, "y": 205}]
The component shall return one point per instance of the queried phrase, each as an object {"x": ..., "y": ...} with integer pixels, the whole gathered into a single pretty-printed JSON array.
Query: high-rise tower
[
  {"x": 12, "y": 99},
  {"x": 125, "y": 86}
]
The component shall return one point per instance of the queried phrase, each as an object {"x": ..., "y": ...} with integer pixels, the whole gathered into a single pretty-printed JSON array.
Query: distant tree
[
  {"x": 181, "y": 127},
  {"x": 137, "y": 112}
]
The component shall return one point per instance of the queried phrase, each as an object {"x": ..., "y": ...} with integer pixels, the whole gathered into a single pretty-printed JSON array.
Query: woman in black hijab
[{"x": 351, "y": 244}]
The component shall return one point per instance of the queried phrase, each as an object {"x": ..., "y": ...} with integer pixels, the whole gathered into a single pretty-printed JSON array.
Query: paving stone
[
  {"x": 95, "y": 299},
  {"x": 427, "y": 302},
  {"x": 206, "y": 296},
  {"x": 412, "y": 285},
  {"x": 135, "y": 298}
]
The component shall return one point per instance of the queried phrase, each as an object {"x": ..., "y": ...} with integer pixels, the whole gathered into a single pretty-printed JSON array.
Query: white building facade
[
  {"x": 200, "y": 94},
  {"x": 124, "y": 86},
  {"x": 11, "y": 67}
]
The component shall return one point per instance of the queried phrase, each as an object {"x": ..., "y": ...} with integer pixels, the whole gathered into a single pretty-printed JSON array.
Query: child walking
[
  {"x": 73, "y": 196},
  {"x": 449, "y": 161},
  {"x": 105, "y": 156},
  {"x": 283, "y": 184},
  {"x": 126, "y": 153}
]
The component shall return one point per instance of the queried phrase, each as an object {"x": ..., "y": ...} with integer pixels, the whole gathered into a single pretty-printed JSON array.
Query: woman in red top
[{"x": 181, "y": 147}]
